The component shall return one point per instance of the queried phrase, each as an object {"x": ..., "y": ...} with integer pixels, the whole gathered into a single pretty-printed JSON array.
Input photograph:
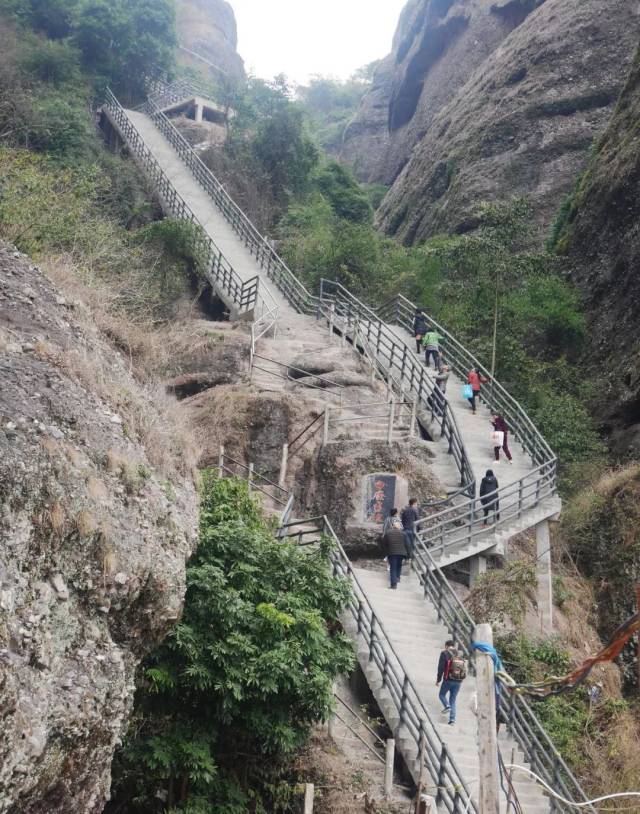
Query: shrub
[{"x": 245, "y": 673}]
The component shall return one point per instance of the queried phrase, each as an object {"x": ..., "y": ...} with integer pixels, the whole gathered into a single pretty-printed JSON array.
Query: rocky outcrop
[
  {"x": 437, "y": 45},
  {"x": 601, "y": 238},
  {"x": 492, "y": 100},
  {"x": 96, "y": 521},
  {"x": 208, "y": 37}
]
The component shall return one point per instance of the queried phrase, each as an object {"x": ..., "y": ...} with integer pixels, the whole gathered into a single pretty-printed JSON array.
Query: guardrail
[
  {"x": 400, "y": 311},
  {"x": 378, "y": 420},
  {"x": 453, "y": 793},
  {"x": 266, "y": 256},
  {"x": 521, "y": 721},
  {"x": 362, "y": 323},
  {"x": 219, "y": 272},
  {"x": 261, "y": 483}
]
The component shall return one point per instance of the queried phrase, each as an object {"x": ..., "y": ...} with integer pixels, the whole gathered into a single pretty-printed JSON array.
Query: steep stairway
[
  {"x": 464, "y": 451},
  {"x": 411, "y": 623}
]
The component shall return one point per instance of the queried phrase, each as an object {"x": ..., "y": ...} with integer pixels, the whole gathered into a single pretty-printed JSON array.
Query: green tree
[
  {"x": 285, "y": 152},
  {"x": 246, "y": 672},
  {"x": 347, "y": 198},
  {"x": 127, "y": 41}
]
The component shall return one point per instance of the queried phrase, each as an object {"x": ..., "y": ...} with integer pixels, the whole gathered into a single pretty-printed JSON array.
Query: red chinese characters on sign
[{"x": 380, "y": 496}]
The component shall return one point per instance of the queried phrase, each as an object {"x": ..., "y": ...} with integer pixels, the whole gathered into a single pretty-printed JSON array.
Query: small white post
[
  {"x": 250, "y": 475},
  {"x": 199, "y": 111},
  {"x": 331, "y": 726},
  {"x": 283, "y": 465},
  {"x": 412, "y": 422},
  {"x": 545, "y": 580},
  {"x": 309, "y": 794},
  {"x": 389, "y": 758},
  {"x": 392, "y": 409},
  {"x": 221, "y": 462},
  {"x": 332, "y": 319},
  {"x": 325, "y": 436}
]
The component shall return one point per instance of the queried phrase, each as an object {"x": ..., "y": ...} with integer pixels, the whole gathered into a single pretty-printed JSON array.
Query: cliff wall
[
  {"x": 601, "y": 239},
  {"x": 487, "y": 101},
  {"x": 208, "y": 28},
  {"x": 97, "y": 518}
]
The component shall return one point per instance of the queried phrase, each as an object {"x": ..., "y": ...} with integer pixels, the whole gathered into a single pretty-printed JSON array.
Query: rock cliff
[
  {"x": 490, "y": 100},
  {"x": 208, "y": 37},
  {"x": 96, "y": 521},
  {"x": 601, "y": 238}
]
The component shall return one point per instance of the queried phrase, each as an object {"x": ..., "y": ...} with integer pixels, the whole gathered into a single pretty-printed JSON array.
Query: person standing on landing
[
  {"x": 476, "y": 380},
  {"x": 420, "y": 328},
  {"x": 500, "y": 425},
  {"x": 396, "y": 550},
  {"x": 488, "y": 496},
  {"x": 452, "y": 671},
  {"x": 410, "y": 516},
  {"x": 431, "y": 343}
]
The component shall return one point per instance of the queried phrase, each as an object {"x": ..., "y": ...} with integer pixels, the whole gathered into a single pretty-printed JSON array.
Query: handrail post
[
  {"x": 403, "y": 697},
  {"x": 221, "y": 461},
  {"x": 392, "y": 406},
  {"x": 250, "y": 475},
  {"x": 283, "y": 466},
  {"x": 325, "y": 433},
  {"x": 413, "y": 419},
  {"x": 442, "y": 774}
]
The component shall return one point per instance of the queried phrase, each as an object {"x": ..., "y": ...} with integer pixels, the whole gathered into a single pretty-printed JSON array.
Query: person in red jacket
[
  {"x": 500, "y": 425},
  {"x": 476, "y": 380}
]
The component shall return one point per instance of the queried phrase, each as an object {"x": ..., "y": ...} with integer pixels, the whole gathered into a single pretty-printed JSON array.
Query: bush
[
  {"x": 346, "y": 197},
  {"x": 244, "y": 675}
]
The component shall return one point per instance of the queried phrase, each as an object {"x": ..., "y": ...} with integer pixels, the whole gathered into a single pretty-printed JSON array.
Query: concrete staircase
[
  {"x": 412, "y": 625},
  {"x": 410, "y": 621}
]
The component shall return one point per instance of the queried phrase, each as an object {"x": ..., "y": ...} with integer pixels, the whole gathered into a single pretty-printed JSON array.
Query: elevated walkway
[{"x": 397, "y": 634}]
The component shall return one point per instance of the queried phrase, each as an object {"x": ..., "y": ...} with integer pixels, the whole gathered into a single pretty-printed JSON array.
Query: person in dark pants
[
  {"x": 420, "y": 328},
  {"x": 476, "y": 380},
  {"x": 431, "y": 343},
  {"x": 396, "y": 551},
  {"x": 500, "y": 425},
  {"x": 489, "y": 500},
  {"x": 410, "y": 516}
]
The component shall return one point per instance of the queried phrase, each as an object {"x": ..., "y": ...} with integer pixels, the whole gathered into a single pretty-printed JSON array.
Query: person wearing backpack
[
  {"x": 431, "y": 344},
  {"x": 420, "y": 328},
  {"x": 452, "y": 671}
]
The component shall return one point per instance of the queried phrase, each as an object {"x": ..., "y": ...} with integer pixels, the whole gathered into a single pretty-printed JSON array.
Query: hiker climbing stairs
[{"x": 412, "y": 624}]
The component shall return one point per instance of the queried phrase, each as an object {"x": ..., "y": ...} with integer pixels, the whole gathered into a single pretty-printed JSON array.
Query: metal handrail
[
  {"x": 537, "y": 746},
  {"x": 401, "y": 311},
  {"x": 220, "y": 273},
  {"x": 276, "y": 269},
  {"x": 453, "y": 791},
  {"x": 297, "y": 442},
  {"x": 358, "y": 319}
]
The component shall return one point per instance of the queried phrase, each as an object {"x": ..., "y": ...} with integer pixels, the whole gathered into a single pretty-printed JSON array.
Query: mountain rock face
[
  {"x": 208, "y": 37},
  {"x": 436, "y": 47},
  {"x": 487, "y": 100},
  {"x": 94, "y": 534},
  {"x": 601, "y": 239}
]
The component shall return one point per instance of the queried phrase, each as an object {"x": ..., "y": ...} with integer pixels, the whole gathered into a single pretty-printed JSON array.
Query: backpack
[{"x": 457, "y": 669}]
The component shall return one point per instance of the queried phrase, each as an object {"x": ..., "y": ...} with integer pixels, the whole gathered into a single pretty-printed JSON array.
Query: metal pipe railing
[
  {"x": 413, "y": 717},
  {"x": 219, "y": 272},
  {"x": 525, "y": 727}
]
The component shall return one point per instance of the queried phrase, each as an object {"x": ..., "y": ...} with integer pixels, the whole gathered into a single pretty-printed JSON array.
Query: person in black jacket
[
  {"x": 420, "y": 328},
  {"x": 488, "y": 498},
  {"x": 410, "y": 517},
  {"x": 396, "y": 550}
]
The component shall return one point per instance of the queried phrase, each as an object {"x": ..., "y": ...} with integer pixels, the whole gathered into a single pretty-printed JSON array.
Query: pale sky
[{"x": 304, "y": 37}]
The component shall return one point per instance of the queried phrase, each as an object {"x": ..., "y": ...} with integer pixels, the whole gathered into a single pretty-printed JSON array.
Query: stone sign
[{"x": 379, "y": 497}]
